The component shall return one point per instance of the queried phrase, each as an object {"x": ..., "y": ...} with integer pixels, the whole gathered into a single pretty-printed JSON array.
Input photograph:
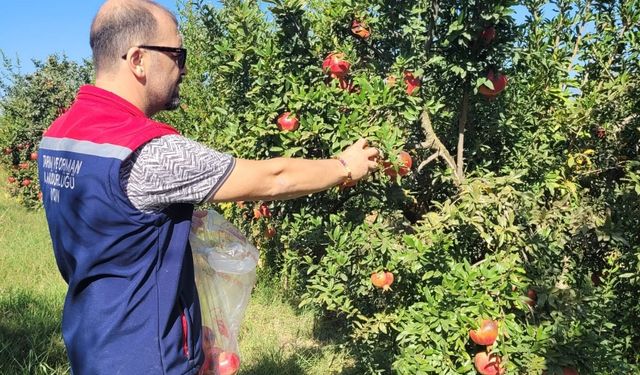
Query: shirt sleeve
[{"x": 173, "y": 169}]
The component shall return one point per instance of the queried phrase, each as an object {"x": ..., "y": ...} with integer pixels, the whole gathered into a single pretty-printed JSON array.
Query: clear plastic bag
[{"x": 225, "y": 273}]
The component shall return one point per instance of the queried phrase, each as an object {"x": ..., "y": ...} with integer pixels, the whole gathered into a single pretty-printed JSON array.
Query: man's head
[{"x": 137, "y": 53}]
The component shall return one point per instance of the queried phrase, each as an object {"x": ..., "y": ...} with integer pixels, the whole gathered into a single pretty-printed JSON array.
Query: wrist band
[{"x": 346, "y": 167}]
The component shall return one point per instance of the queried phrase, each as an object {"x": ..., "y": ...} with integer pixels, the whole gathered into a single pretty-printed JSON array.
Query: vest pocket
[{"x": 185, "y": 321}]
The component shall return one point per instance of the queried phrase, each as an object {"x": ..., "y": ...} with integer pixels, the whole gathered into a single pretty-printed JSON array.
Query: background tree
[{"x": 30, "y": 102}]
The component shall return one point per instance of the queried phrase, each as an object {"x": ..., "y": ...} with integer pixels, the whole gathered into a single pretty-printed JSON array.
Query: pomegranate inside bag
[{"x": 225, "y": 273}]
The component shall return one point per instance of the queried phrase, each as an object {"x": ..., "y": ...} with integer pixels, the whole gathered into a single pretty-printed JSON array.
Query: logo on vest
[{"x": 59, "y": 173}]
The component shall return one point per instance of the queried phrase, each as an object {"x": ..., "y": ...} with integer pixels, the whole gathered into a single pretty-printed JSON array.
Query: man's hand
[
  {"x": 197, "y": 220},
  {"x": 360, "y": 159}
]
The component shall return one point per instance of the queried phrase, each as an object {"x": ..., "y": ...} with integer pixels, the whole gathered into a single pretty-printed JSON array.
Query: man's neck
[{"x": 121, "y": 88}]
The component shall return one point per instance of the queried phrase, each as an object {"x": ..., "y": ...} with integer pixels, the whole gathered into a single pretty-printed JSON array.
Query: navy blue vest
[{"x": 132, "y": 305}]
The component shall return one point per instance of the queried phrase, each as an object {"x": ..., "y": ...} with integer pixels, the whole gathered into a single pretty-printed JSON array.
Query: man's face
[{"x": 165, "y": 76}]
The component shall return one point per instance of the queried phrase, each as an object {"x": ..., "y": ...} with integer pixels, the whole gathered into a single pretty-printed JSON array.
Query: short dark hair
[{"x": 116, "y": 30}]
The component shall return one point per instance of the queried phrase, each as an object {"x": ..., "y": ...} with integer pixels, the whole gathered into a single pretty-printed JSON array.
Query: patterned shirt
[{"x": 173, "y": 169}]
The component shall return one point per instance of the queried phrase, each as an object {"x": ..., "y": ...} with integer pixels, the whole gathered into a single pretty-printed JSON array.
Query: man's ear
[{"x": 135, "y": 61}]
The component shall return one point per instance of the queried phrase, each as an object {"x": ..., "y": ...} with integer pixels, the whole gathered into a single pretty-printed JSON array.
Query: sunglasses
[{"x": 180, "y": 53}]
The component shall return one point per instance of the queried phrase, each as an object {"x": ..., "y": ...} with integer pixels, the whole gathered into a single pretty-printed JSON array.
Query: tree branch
[
  {"x": 429, "y": 160},
  {"x": 619, "y": 165},
  {"x": 433, "y": 143},
  {"x": 576, "y": 46},
  {"x": 462, "y": 123},
  {"x": 432, "y": 27},
  {"x": 625, "y": 121},
  {"x": 605, "y": 68}
]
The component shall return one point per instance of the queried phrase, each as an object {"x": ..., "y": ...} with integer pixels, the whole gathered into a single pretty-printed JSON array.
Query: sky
[{"x": 35, "y": 29}]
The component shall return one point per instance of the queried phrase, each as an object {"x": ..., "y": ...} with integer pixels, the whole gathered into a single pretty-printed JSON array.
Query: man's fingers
[
  {"x": 196, "y": 224},
  {"x": 197, "y": 221},
  {"x": 361, "y": 143},
  {"x": 371, "y": 152},
  {"x": 200, "y": 213}
]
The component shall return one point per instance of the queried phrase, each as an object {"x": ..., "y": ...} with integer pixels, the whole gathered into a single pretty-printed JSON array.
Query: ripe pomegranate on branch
[
  {"x": 488, "y": 364},
  {"x": 360, "y": 29},
  {"x": 288, "y": 122},
  {"x": 336, "y": 65},
  {"x": 486, "y": 334},
  {"x": 405, "y": 165},
  {"x": 498, "y": 81},
  {"x": 382, "y": 280}
]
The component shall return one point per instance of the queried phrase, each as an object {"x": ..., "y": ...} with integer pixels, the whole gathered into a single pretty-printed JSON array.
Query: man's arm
[{"x": 286, "y": 178}]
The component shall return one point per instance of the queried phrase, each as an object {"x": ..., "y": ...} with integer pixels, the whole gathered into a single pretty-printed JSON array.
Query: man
[{"x": 119, "y": 191}]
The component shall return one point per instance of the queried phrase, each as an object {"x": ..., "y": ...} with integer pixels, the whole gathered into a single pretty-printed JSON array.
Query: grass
[
  {"x": 275, "y": 338},
  {"x": 31, "y": 293}
]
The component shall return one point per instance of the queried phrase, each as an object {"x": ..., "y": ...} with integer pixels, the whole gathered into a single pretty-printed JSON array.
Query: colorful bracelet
[{"x": 346, "y": 167}]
